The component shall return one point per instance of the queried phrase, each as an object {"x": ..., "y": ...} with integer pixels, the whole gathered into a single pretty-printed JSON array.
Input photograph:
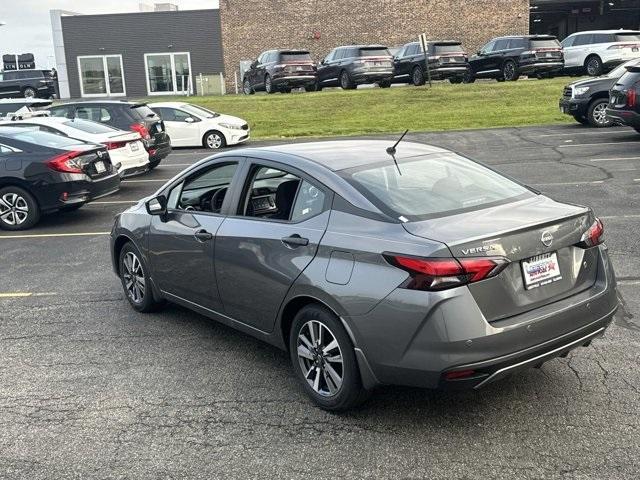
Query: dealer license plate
[
  {"x": 541, "y": 270},
  {"x": 134, "y": 146},
  {"x": 100, "y": 168}
]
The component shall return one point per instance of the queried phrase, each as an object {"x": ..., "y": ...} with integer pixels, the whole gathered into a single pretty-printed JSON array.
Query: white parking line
[
  {"x": 613, "y": 159},
  {"x": 174, "y": 165},
  {"x": 54, "y": 235},
  {"x": 580, "y": 133},
  {"x": 591, "y": 144},
  {"x": 609, "y": 217},
  {"x": 595, "y": 182},
  {"x": 114, "y": 202},
  {"x": 161, "y": 180}
]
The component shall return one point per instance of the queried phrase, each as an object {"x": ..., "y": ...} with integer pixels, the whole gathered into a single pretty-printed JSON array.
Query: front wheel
[
  {"x": 135, "y": 280},
  {"x": 417, "y": 76},
  {"x": 214, "y": 140},
  {"x": 18, "y": 209},
  {"x": 246, "y": 87},
  {"x": 597, "y": 115},
  {"x": 455, "y": 80},
  {"x": 510, "y": 71},
  {"x": 268, "y": 84},
  {"x": 345, "y": 81},
  {"x": 324, "y": 360},
  {"x": 468, "y": 77}
]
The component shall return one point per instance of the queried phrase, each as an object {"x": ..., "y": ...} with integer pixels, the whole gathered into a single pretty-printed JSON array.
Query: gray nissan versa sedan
[{"x": 372, "y": 265}]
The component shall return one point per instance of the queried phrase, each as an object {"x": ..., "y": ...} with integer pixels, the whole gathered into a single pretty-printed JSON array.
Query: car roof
[
  {"x": 101, "y": 102},
  {"x": 8, "y": 130},
  {"x": 361, "y": 46},
  {"x": 529, "y": 37},
  {"x": 343, "y": 154},
  {"x": 605, "y": 31},
  {"x": 167, "y": 104}
]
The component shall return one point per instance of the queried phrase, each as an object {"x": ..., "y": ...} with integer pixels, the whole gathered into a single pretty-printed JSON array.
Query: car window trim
[{"x": 256, "y": 161}]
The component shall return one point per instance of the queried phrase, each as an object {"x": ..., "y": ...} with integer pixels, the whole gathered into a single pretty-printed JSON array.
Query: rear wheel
[
  {"x": 29, "y": 92},
  {"x": 18, "y": 209},
  {"x": 510, "y": 71},
  {"x": 214, "y": 140},
  {"x": 417, "y": 76},
  {"x": 345, "y": 81},
  {"x": 246, "y": 87},
  {"x": 135, "y": 280},
  {"x": 311, "y": 88},
  {"x": 596, "y": 115},
  {"x": 593, "y": 65},
  {"x": 324, "y": 360},
  {"x": 468, "y": 77},
  {"x": 154, "y": 163},
  {"x": 268, "y": 84},
  {"x": 384, "y": 84}
]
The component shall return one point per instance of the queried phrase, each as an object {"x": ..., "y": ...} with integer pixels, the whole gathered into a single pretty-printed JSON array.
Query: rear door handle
[
  {"x": 295, "y": 240},
  {"x": 203, "y": 235}
]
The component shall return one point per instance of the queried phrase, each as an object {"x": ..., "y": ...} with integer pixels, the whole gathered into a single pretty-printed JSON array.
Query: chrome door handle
[{"x": 203, "y": 235}]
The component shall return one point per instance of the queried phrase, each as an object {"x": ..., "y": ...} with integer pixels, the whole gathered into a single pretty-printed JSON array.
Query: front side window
[
  {"x": 568, "y": 42},
  {"x": 502, "y": 44},
  {"x": 204, "y": 191},
  {"x": 488, "y": 48},
  {"x": 432, "y": 185}
]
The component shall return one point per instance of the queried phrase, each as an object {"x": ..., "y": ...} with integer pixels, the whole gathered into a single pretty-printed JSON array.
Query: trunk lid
[{"x": 515, "y": 231}]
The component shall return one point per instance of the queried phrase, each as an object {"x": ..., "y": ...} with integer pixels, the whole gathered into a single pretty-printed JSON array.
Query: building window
[
  {"x": 168, "y": 73},
  {"x": 101, "y": 75}
]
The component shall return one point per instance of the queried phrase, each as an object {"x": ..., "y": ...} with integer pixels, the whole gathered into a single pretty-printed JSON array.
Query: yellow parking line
[
  {"x": 45, "y": 235},
  {"x": 15, "y": 295}
]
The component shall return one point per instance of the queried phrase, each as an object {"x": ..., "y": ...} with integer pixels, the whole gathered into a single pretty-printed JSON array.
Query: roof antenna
[{"x": 392, "y": 150}]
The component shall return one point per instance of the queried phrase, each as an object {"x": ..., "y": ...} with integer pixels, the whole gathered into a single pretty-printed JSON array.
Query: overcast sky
[{"x": 28, "y": 24}]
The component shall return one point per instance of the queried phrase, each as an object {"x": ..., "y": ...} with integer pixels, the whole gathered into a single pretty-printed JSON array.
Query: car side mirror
[
  {"x": 157, "y": 205},
  {"x": 189, "y": 120},
  {"x": 480, "y": 53}
]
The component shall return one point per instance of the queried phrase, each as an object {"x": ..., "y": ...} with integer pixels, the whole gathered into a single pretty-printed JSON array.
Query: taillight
[
  {"x": 593, "y": 236},
  {"x": 443, "y": 273},
  {"x": 66, "y": 162},
  {"x": 115, "y": 145},
  {"x": 141, "y": 129},
  {"x": 632, "y": 97}
]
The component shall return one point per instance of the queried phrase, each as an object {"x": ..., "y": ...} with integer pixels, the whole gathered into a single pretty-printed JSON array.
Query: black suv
[
  {"x": 506, "y": 58},
  {"x": 353, "y": 65},
  {"x": 137, "y": 117},
  {"x": 27, "y": 84},
  {"x": 280, "y": 71},
  {"x": 587, "y": 100},
  {"x": 447, "y": 60},
  {"x": 624, "y": 99}
]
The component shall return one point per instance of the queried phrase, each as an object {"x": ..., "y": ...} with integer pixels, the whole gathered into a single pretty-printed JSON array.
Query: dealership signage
[{"x": 26, "y": 61}]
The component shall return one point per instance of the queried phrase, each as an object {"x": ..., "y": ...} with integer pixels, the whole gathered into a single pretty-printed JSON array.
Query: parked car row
[
  {"x": 80, "y": 153},
  {"x": 502, "y": 58}
]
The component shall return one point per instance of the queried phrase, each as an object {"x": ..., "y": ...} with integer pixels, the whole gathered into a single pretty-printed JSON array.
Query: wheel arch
[
  {"x": 18, "y": 182},
  {"x": 213, "y": 130},
  {"x": 121, "y": 240}
]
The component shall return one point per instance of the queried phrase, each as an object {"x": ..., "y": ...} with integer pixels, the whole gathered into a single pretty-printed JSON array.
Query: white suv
[{"x": 598, "y": 51}]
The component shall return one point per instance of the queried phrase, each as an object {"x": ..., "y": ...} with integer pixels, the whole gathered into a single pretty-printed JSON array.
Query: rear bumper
[
  {"x": 574, "y": 106},
  {"x": 294, "y": 80},
  {"x": 372, "y": 76},
  {"x": 624, "y": 117},
  {"x": 541, "y": 67},
  {"x": 414, "y": 338},
  {"x": 450, "y": 71},
  {"x": 159, "y": 149},
  {"x": 79, "y": 189}
]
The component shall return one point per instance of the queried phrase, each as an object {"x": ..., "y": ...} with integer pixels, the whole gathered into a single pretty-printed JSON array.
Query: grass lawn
[{"x": 356, "y": 112}]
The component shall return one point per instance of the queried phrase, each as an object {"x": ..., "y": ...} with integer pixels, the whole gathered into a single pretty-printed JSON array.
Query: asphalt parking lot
[{"x": 90, "y": 389}]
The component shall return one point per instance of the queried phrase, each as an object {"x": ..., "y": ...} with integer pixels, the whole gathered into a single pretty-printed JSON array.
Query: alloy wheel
[
  {"x": 593, "y": 67},
  {"x": 14, "y": 209},
  {"x": 29, "y": 93},
  {"x": 268, "y": 86},
  {"x": 344, "y": 81},
  {"x": 417, "y": 76},
  {"x": 320, "y": 358},
  {"x": 509, "y": 71},
  {"x": 214, "y": 141},
  {"x": 599, "y": 114},
  {"x": 133, "y": 276},
  {"x": 246, "y": 87}
]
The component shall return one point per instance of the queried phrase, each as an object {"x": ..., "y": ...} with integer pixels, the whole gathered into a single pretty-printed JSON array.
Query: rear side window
[
  {"x": 374, "y": 52},
  {"x": 629, "y": 79},
  {"x": 295, "y": 57},
  {"x": 502, "y": 44},
  {"x": 10, "y": 76},
  {"x": 309, "y": 202},
  {"x": 583, "y": 40},
  {"x": 551, "y": 43},
  {"x": 517, "y": 43},
  {"x": 627, "y": 37},
  {"x": 89, "y": 127},
  {"x": 432, "y": 185},
  {"x": 603, "y": 38}
]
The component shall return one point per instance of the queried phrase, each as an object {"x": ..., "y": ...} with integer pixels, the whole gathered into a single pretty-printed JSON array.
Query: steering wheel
[{"x": 217, "y": 199}]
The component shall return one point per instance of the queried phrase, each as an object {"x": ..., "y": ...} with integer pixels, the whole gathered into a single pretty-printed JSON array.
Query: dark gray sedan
[{"x": 421, "y": 268}]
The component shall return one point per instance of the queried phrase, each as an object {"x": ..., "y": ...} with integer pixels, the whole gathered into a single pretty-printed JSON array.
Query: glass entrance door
[
  {"x": 101, "y": 76},
  {"x": 168, "y": 73}
]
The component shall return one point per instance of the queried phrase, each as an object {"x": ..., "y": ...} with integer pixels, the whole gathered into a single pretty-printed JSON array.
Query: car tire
[
  {"x": 417, "y": 76},
  {"x": 637, "y": 129},
  {"x": 311, "y": 88},
  {"x": 330, "y": 378},
  {"x": 581, "y": 120},
  {"x": 596, "y": 113},
  {"x": 19, "y": 209},
  {"x": 247, "y": 89},
  {"x": 510, "y": 71},
  {"x": 286, "y": 90},
  {"x": 268, "y": 85},
  {"x": 468, "y": 77},
  {"x": 345, "y": 81},
  {"x": 384, "y": 84},
  {"x": 455, "y": 80},
  {"x": 29, "y": 92},
  {"x": 153, "y": 164},
  {"x": 214, "y": 140},
  {"x": 135, "y": 280},
  {"x": 593, "y": 65}
]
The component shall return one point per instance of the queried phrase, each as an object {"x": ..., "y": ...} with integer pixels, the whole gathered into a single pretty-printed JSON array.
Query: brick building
[{"x": 252, "y": 26}]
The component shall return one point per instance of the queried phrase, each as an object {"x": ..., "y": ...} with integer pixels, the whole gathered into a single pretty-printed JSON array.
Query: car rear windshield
[
  {"x": 374, "y": 52},
  {"x": 628, "y": 37},
  {"x": 46, "y": 139},
  {"x": 546, "y": 43},
  {"x": 88, "y": 126},
  {"x": 622, "y": 69},
  {"x": 432, "y": 186},
  {"x": 629, "y": 78},
  {"x": 143, "y": 112},
  {"x": 445, "y": 48},
  {"x": 295, "y": 57}
]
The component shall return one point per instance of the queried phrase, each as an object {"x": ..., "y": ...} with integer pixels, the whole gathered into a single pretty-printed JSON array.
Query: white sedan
[
  {"x": 193, "y": 126},
  {"x": 126, "y": 149}
]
